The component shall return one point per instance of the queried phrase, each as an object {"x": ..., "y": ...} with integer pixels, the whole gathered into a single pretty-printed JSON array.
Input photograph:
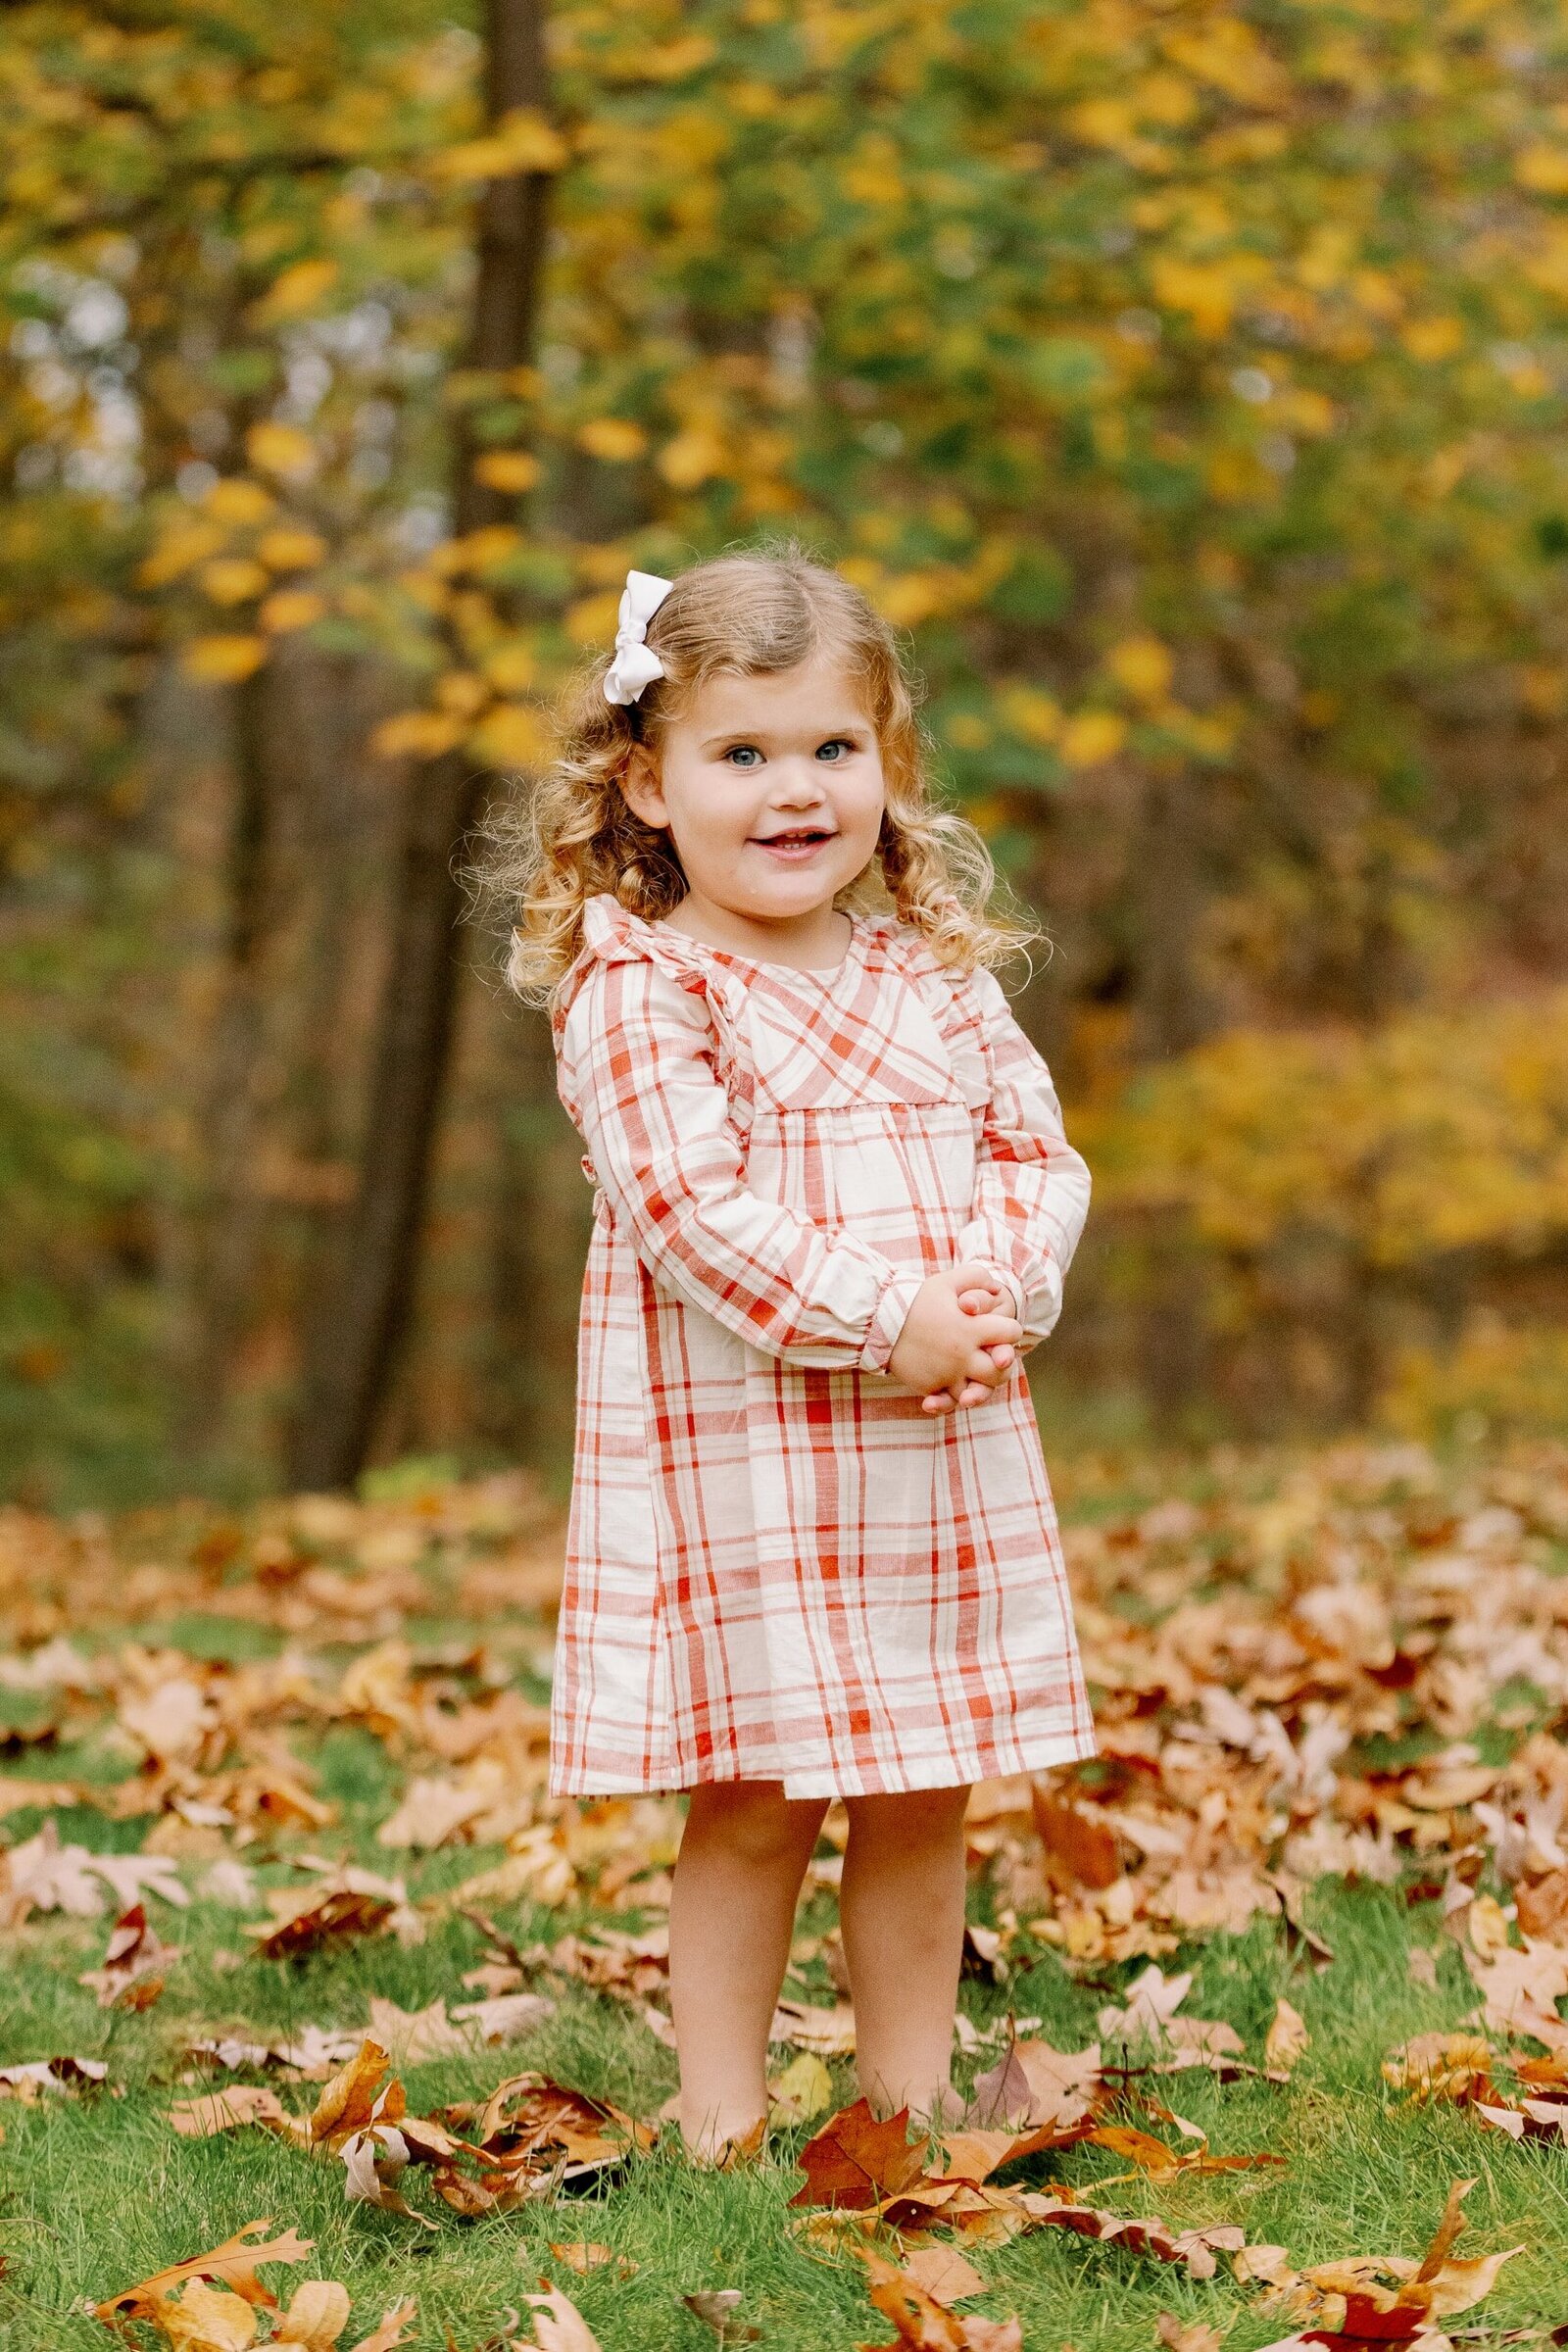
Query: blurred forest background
[{"x": 1188, "y": 378}]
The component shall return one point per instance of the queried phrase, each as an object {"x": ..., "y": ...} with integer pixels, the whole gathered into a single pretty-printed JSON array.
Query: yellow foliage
[
  {"x": 281, "y": 449},
  {"x": 418, "y": 734},
  {"x": 872, "y": 173},
  {"x": 1227, "y": 53},
  {"x": 479, "y": 549},
  {"x": 512, "y": 735},
  {"x": 968, "y": 731},
  {"x": 1092, "y": 737},
  {"x": 1205, "y": 292},
  {"x": 1143, "y": 665},
  {"x": 290, "y": 548},
  {"x": 508, "y": 470},
  {"x": 512, "y": 667},
  {"x": 1432, "y": 339},
  {"x": 290, "y": 609},
  {"x": 524, "y": 140},
  {"x": 591, "y": 621},
  {"x": 1498, "y": 1381},
  {"x": 1543, "y": 168},
  {"x": 907, "y": 598},
  {"x": 692, "y": 457},
  {"x": 298, "y": 291},
  {"x": 230, "y": 579},
  {"x": 1031, "y": 714},
  {"x": 236, "y": 500},
  {"x": 182, "y": 546},
  {"x": 1436, "y": 1131},
  {"x": 222, "y": 660},
  {"x": 462, "y": 691},
  {"x": 615, "y": 439}
]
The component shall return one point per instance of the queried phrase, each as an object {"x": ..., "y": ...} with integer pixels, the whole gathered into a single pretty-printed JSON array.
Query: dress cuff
[
  {"x": 1012, "y": 1289},
  {"x": 891, "y": 1313}
]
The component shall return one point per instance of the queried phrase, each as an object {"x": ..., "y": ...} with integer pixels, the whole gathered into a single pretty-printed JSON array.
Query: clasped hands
[{"x": 956, "y": 1345}]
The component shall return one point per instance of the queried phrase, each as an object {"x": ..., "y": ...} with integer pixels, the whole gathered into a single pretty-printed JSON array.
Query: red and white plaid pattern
[{"x": 777, "y": 1566}]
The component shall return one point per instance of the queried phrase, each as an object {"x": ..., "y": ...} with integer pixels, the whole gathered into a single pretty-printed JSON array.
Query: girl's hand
[
  {"x": 978, "y": 1300},
  {"x": 947, "y": 1349}
]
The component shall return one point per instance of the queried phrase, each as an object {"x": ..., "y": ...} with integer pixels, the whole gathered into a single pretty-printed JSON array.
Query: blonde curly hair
[{"x": 748, "y": 615}]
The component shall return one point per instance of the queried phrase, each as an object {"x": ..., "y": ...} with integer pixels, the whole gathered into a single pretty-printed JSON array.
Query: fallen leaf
[
  {"x": 1035, "y": 2084},
  {"x": 227, "y": 2111},
  {"x": 39, "y": 2076},
  {"x": 581, "y": 2255},
  {"x": 317, "y": 2317},
  {"x": 304, "y": 1922},
  {"x": 1193, "y": 2336},
  {"x": 945, "y": 2274},
  {"x": 805, "y": 2088},
  {"x": 232, "y": 2264},
  {"x": 920, "y": 2320},
  {"x": 856, "y": 2160},
  {"x": 1441, "y": 2066},
  {"x": 207, "y": 2318},
  {"x": 135, "y": 1964},
  {"x": 830, "y": 2033},
  {"x": 394, "y": 2327},
  {"x": 720, "y": 2308},
  {"x": 1288, "y": 2038},
  {"x": 1086, "y": 1850},
  {"x": 354, "y": 2097},
  {"x": 558, "y": 2325}
]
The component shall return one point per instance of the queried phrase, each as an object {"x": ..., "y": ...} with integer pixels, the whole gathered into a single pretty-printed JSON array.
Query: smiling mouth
[{"x": 799, "y": 837}]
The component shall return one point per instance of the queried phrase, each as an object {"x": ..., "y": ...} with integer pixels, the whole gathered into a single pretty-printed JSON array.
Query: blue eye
[
  {"x": 741, "y": 747},
  {"x": 828, "y": 746}
]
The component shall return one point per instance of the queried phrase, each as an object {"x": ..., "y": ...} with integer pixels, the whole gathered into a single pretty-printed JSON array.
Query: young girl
[{"x": 811, "y": 1550}]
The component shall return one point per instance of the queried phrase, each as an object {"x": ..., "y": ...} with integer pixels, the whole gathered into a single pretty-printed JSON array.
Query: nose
[{"x": 799, "y": 784}]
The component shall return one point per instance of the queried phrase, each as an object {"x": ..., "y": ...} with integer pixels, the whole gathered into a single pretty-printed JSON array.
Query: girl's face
[{"x": 771, "y": 790}]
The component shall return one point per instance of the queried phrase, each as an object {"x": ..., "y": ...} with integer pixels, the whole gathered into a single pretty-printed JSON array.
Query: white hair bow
[{"x": 635, "y": 665}]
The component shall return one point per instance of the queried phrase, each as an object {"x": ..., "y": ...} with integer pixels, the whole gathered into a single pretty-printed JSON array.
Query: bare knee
[
  {"x": 914, "y": 1819},
  {"x": 755, "y": 1822}
]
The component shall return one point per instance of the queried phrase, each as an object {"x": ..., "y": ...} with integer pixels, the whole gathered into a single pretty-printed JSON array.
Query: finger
[
  {"x": 977, "y": 1277},
  {"x": 993, "y": 1331},
  {"x": 940, "y": 1400},
  {"x": 982, "y": 1365},
  {"x": 978, "y": 1301}
]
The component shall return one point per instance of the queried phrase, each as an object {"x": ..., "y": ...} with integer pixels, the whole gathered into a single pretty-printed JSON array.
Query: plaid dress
[{"x": 779, "y": 1567}]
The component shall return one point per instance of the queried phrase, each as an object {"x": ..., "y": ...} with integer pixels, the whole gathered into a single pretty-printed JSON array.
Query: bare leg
[
  {"x": 731, "y": 1915},
  {"x": 901, "y": 1910}
]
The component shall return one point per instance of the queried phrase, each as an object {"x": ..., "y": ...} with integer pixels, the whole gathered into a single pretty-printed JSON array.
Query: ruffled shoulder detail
[
  {"x": 953, "y": 1000},
  {"x": 611, "y": 934}
]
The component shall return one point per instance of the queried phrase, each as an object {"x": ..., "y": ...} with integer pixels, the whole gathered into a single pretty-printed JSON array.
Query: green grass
[{"x": 98, "y": 2191}]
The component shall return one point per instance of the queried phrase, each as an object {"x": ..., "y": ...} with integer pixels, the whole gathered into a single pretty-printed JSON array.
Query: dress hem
[{"x": 1043, "y": 1755}]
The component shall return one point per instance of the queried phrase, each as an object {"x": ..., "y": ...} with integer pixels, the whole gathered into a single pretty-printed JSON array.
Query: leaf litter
[{"x": 1359, "y": 1673}]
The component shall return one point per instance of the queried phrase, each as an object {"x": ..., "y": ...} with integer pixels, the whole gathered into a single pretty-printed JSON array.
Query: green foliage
[{"x": 1188, "y": 384}]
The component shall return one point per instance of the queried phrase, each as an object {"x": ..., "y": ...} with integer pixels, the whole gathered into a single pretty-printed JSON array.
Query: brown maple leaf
[{"x": 856, "y": 2159}]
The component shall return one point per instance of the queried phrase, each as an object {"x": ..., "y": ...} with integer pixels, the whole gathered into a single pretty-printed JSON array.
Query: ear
[{"x": 641, "y": 788}]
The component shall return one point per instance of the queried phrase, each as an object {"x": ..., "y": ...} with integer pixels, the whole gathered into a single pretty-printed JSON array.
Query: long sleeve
[
  {"x": 1031, "y": 1193},
  {"x": 637, "y": 1072}
]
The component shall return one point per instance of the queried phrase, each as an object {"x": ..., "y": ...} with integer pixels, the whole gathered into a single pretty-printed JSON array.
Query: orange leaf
[
  {"x": 854, "y": 2160},
  {"x": 234, "y": 2263},
  {"x": 1084, "y": 1846}
]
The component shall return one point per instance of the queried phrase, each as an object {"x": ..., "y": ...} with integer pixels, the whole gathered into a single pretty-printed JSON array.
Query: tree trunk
[
  {"x": 224, "y": 1258},
  {"x": 350, "y": 1365}
]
